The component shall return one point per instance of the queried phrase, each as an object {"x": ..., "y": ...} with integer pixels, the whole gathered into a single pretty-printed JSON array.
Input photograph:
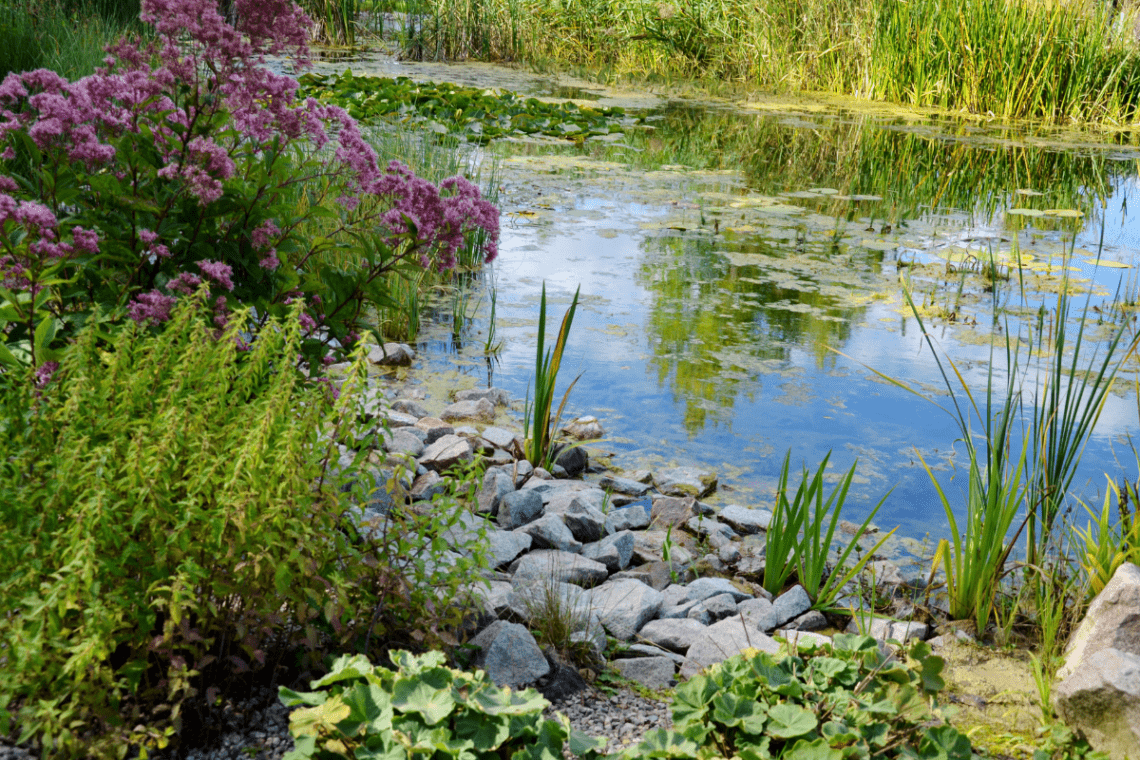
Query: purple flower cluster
[{"x": 202, "y": 105}]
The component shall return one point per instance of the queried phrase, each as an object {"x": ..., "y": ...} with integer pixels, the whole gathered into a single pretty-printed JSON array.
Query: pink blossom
[
  {"x": 153, "y": 308},
  {"x": 219, "y": 272},
  {"x": 44, "y": 373},
  {"x": 270, "y": 261},
  {"x": 185, "y": 283},
  {"x": 263, "y": 234},
  {"x": 85, "y": 240}
]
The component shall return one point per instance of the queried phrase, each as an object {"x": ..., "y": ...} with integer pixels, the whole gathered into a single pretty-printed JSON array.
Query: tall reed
[
  {"x": 1070, "y": 60},
  {"x": 66, "y": 36},
  {"x": 540, "y": 420}
]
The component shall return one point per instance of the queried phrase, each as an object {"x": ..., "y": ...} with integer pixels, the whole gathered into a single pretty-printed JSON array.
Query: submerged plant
[{"x": 538, "y": 420}]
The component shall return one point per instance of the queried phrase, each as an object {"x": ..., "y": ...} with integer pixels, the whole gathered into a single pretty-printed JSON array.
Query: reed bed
[
  {"x": 67, "y": 36},
  {"x": 1064, "y": 61}
]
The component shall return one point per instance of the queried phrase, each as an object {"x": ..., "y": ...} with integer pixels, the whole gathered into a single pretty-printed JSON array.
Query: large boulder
[
  {"x": 722, "y": 640},
  {"x": 446, "y": 452},
  {"x": 510, "y": 654},
  {"x": 613, "y": 551},
  {"x": 517, "y": 508},
  {"x": 624, "y": 606},
  {"x": 1098, "y": 689},
  {"x": 553, "y": 565}
]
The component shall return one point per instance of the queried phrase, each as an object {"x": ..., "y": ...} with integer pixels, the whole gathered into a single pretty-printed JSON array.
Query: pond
[{"x": 742, "y": 270}]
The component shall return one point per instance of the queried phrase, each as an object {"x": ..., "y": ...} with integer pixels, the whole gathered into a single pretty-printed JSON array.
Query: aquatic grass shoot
[
  {"x": 538, "y": 420},
  {"x": 786, "y": 551}
]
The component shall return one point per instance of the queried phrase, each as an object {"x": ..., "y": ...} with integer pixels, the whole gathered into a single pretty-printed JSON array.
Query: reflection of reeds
[{"x": 1068, "y": 60}]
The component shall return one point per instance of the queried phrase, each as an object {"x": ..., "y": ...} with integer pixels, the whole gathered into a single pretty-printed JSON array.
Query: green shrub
[
  {"x": 424, "y": 708},
  {"x": 170, "y": 518},
  {"x": 835, "y": 701}
]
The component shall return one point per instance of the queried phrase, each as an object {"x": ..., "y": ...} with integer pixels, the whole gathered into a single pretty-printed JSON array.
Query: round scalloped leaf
[{"x": 788, "y": 721}]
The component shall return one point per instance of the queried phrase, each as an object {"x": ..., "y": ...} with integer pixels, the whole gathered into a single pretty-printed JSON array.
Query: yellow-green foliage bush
[{"x": 169, "y": 519}]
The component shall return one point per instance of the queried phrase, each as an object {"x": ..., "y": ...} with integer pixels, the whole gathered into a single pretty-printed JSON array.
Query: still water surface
[{"x": 742, "y": 266}]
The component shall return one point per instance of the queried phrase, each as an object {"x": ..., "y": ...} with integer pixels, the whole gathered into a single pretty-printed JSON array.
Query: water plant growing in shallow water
[
  {"x": 786, "y": 551},
  {"x": 538, "y": 420}
]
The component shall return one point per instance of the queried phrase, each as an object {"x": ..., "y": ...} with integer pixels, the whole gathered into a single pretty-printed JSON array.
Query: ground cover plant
[
  {"x": 1063, "y": 61},
  {"x": 846, "y": 699},
  {"x": 171, "y": 522},
  {"x": 479, "y": 115},
  {"x": 422, "y": 708},
  {"x": 184, "y": 162}
]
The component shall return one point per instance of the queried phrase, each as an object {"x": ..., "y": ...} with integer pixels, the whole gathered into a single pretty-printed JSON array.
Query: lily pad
[
  {"x": 1068, "y": 213},
  {"x": 1107, "y": 263},
  {"x": 1025, "y": 212}
]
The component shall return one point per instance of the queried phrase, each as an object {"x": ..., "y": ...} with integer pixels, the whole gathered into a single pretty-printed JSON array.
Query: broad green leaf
[
  {"x": 370, "y": 705},
  {"x": 663, "y": 743},
  {"x": 485, "y": 732},
  {"x": 345, "y": 668},
  {"x": 814, "y": 750},
  {"x": 944, "y": 743},
  {"x": 412, "y": 695},
  {"x": 691, "y": 700},
  {"x": 291, "y": 698},
  {"x": 492, "y": 700},
  {"x": 787, "y": 721},
  {"x": 932, "y": 680},
  {"x": 735, "y": 712},
  {"x": 322, "y": 718},
  {"x": 582, "y": 743}
]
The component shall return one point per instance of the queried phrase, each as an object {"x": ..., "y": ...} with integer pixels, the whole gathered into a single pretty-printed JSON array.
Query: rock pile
[{"x": 602, "y": 556}]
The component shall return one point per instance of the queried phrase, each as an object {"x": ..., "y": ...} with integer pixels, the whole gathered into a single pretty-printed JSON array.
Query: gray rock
[
  {"x": 1112, "y": 621},
  {"x": 396, "y": 419},
  {"x": 561, "y": 682},
  {"x": 886, "y": 573},
  {"x": 584, "y": 428},
  {"x": 750, "y": 565},
  {"x": 876, "y": 627},
  {"x": 573, "y": 460},
  {"x": 561, "y": 495},
  {"x": 585, "y": 521},
  {"x": 722, "y": 640},
  {"x": 671, "y": 511},
  {"x": 706, "y": 588},
  {"x": 1097, "y": 690},
  {"x": 650, "y": 650},
  {"x": 464, "y": 531},
  {"x": 650, "y": 672},
  {"x": 433, "y": 428},
  {"x": 812, "y": 620},
  {"x": 542, "y": 473},
  {"x": 759, "y": 613},
  {"x": 685, "y": 481},
  {"x": 537, "y": 601},
  {"x": 612, "y": 551},
  {"x": 549, "y": 532},
  {"x": 496, "y": 396},
  {"x": 445, "y": 453},
  {"x": 715, "y": 608},
  {"x": 595, "y": 637},
  {"x": 656, "y": 575},
  {"x": 630, "y": 518},
  {"x": 649, "y": 546},
  {"x": 510, "y": 655},
  {"x": 728, "y": 554},
  {"x": 504, "y": 546},
  {"x": 409, "y": 406},
  {"x": 494, "y": 596},
  {"x": 790, "y": 604},
  {"x": 429, "y": 485},
  {"x": 400, "y": 441},
  {"x": 522, "y": 472},
  {"x": 500, "y": 438},
  {"x": 624, "y": 606},
  {"x": 392, "y": 355},
  {"x": 746, "y": 521},
  {"x": 550, "y": 564},
  {"x": 496, "y": 485},
  {"x": 623, "y": 485},
  {"x": 1101, "y": 699},
  {"x": 906, "y": 631},
  {"x": 675, "y": 634},
  {"x": 798, "y": 639},
  {"x": 517, "y": 508},
  {"x": 482, "y": 410},
  {"x": 710, "y": 527}
]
